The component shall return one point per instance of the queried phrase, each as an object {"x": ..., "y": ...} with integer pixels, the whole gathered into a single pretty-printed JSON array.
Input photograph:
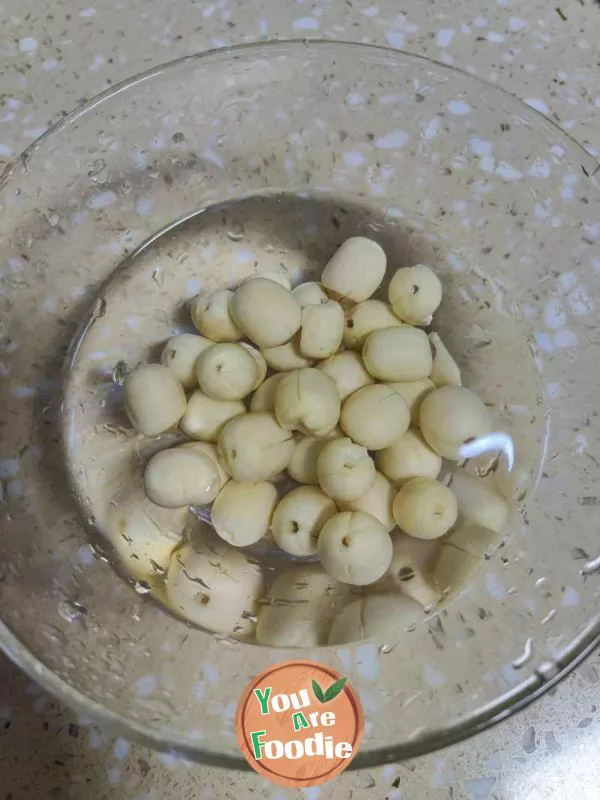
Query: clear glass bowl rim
[{"x": 512, "y": 702}]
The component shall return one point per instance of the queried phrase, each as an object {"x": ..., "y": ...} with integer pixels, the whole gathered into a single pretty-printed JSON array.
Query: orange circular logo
[{"x": 299, "y": 723}]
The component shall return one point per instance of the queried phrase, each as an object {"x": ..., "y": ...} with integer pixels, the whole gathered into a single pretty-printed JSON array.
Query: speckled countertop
[{"x": 50, "y": 61}]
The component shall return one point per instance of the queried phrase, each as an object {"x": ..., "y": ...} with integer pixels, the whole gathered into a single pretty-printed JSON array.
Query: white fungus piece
[
  {"x": 211, "y": 451},
  {"x": 363, "y": 319},
  {"x": 411, "y": 567},
  {"x": 214, "y": 586},
  {"x": 377, "y": 501},
  {"x": 345, "y": 470},
  {"x": 181, "y": 477},
  {"x": 375, "y": 416},
  {"x": 143, "y": 534},
  {"x": 309, "y": 294},
  {"x": 211, "y": 315},
  {"x": 414, "y": 393},
  {"x": 263, "y": 398},
  {"x": 253, "y": 447},
  {"x": 227, "y": 371},
  {"x": 180, "y": 355},
  {"x": 308, "y": 401},
  {"x": 348, "y": 372},
  {"x": 322, "y": 329},
  {"x": 461, "y": 553},
  {"x": 382, "y": 617},
  {"x": 261, "y": 364},
  {"x": 299, "y": 608},
  {"x": 266, "y": 312},
  {"x": 408, "y": 457},
  {"x": 154, "y": 399},
  {"x": 205, "y": 417},
  {"x": 445, "y": 371},
  {"x": 415, "y": 293},
  {"x": 242, "y": 512},
  {"x": 355, "y": 271},
  {"x": 299, "y": 519},
  {"x": 355, "y": 548},
  {"x": 450, "y": 416},
  {"x": 425, "y": 508},
  {"x": 303, "y": 464},
  {"x": 398, "y": 354},
  {"x": 479, "y": 503},
  {"x": 287, "y": 357}
]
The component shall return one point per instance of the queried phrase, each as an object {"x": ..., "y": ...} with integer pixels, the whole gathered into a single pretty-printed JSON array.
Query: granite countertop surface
[{"x": 54, "y": 57}]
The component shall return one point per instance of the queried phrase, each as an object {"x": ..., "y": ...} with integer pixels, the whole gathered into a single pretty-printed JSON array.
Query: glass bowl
[{"x": 442, "y": 168}]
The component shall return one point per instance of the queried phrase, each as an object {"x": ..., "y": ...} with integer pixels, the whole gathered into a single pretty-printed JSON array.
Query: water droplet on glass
[
  {"x": 226, "y": 640},
  {"x": 525, "y": 656},
  {"x": 385, "y": 649},
  {"x": 96, "y": 168},
  {"x": 53, "y": 218},
  {"x": 70, "y": 610},
  {"x": 236, "y": 232},
  {"x": 141, "y": 587},
  {"x": 119, "y": 373}
]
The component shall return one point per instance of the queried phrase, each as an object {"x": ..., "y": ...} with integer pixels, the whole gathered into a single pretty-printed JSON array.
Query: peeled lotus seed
[
  {"x": 348, "y": 372},
  {"x": 242, "y": 512},
  {"x": 363, "y": 319},
  {"x": 425, "y": 508},
  {"x": 450, "y": 416},
  {"x": 180, "y": 355},
  {"x": 322, "y": 329},
  {"x": 381, "y": 617},
  {"x": 227, "y": 371},
  {"x": 308, "y": 401},
  {"x": 355, "y": 548},
  {"x": 299, "y": 518},
  {"x": 266, "y": 312},
  {"x": 253, "y": 447},
  {"x": 154, "y": 399},
  {"x": 411, "y": 567},
  {"x": 287, "y": 357},
  {"x": 303, "y": 464},
  {"x": 355, "y": 270},
  {"x": 259, "y": 360},
  {"x": 415, "y": 294},
  {"x": 299, "y": 608},
  {"x": 263, "y": 398},
  {"x": 377, "y": 501},
  {"x": 215, "y": 587},
  {"x": 478, "y": 503},
  {"x": 375, "y": 416},
  {"x": 211, "y": 314},
  {"x": 445, "y": 370},
  {"x": 181, "y": 477},
  {"x": 143, "y": 534},
  {"x": 309, "y": 294},
  {"x": 461, "y": 553},
  {"x": 205, "y": 417},
  {"x": 346, "y": 471},
  {"x": 211, "y": 451},
  {"x": 398, "y": 354},
  {"x": 408, "y": 457},
  {"x": 414, "y": 393},
  {"x": 280, "y": 276}
]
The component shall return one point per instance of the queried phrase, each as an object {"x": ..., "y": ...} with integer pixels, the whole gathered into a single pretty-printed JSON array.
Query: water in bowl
[{"x": 145, "y": 302}]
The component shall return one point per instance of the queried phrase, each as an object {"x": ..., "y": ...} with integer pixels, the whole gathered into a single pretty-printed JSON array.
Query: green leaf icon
[
  {"x": 318, "y": 692},
  {"x": 334, "y": 689}
]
